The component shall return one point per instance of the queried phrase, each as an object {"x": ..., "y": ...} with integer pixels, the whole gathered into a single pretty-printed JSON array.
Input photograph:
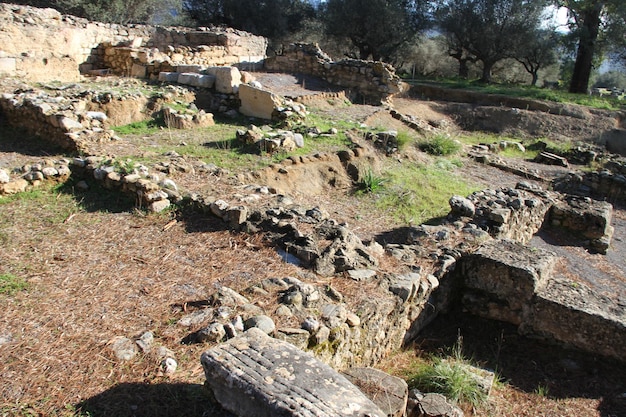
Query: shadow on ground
[
  {"x": 97, "y": 198},
  {"x": 20, "y": 141},
  {"x": 155, "y": 400},
  {"x": 530, "y": 364}
]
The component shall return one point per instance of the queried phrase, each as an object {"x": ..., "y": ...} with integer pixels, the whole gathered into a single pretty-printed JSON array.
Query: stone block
[
  {"x": 256, "y": 375},
  {"x": 584, "y": 216},
  {"x": 205, "y": 81},
  {"x": 576, "y": 315},
  {"x": 189, "y": 68},
  {"x": 187, "y": 78},
  {"x": 7, "y": 65},
  {"x": 502, "y": 277},
  {"x": 227, "y": 79},
  {"x": 256, "y": 102},
  {"x": 138, "y": 71},
  {"x": 168, "y": 77},
  {"x": 388, "y": 392}
]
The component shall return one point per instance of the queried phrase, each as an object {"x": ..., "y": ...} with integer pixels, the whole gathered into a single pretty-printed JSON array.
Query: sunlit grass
[{"x": 414, "y": 193}]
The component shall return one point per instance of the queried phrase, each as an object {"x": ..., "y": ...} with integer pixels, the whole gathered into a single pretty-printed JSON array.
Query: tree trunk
[
  {"x": 586, "y": 48},
  {"x": 463, "y": 68},
  {"x": 535, "y": 76},
  {"x": 486, "y": 78}
]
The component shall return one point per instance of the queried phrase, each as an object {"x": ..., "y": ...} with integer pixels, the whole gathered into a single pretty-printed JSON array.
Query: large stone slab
[
  {"x": 576, "y": 315},
  {"x": 390, "y": 393},
  {"x": 255, "y": 375},
  {"x": 502, "y": 277},
  {"x": 256, "y": 102}
]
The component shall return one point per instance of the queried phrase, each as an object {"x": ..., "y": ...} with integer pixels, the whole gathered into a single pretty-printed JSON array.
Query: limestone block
[
  {"x": 502, "y": 277},
  {"x": 388, "y": 392},
  {"x": 256, "y": 102},
  {"x": 227, "y": 79},
  {"x": 187, "y": 78},
  {"x": 7, "y": 65},
  {"x": 188, "y": 68},
  {"x": 255, "y": 375},
  {"x": 138, "y": 71},
  {"x": 205, "y": 81},
  {"x": 587, "y": 217},
  {"x": 136, "y": 43},
  {"x": 68, "y": 124},
  {"x": 14, "y": 187},
  {"x": 579, "y": 316},
  {"x": 168, "y": 77},
  {"x": 158, "y": 206}
]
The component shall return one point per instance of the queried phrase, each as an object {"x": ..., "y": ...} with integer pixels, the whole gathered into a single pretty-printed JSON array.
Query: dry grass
[
  {"x": 95, "y": 275},
  {"x": 96, "y": 269}
]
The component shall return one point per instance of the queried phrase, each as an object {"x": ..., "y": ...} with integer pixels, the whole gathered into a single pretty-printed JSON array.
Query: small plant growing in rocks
[{"x": 451, "y": 377}]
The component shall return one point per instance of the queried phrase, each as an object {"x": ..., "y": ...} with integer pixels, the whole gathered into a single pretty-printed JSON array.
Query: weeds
[
  {"x": 125, "y": 167},
  {"x": 542, "y": 390},
  {"x": 370, "y": 183},
  {"x": 10, "y": 284},
  {"x": 440, "y": 145},
  {"x": 450, "y": 377},
  {"x": 416, "y": 193},
  {"x": 145, "y": 127}
]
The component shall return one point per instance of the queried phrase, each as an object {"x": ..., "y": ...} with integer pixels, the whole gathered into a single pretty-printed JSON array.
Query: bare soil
[{"x": 98, "y": 269}]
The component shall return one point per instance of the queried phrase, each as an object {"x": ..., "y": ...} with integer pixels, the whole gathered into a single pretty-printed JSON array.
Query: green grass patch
[
  {"x": 10, "y": 284},
  {"x": 145, "y": 127},
  {"x": 449, "y": 376},
  {"x": 440, "y": 145},
  {"x": 416, "y": 193},
  {"x": 559, "y": 96}
]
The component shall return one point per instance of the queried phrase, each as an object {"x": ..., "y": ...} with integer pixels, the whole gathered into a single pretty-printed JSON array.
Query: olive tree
[
  {"x": 487, "y": 31},
  {"x": 597, "y": 25},
  {"x": 377, "y": 28}
]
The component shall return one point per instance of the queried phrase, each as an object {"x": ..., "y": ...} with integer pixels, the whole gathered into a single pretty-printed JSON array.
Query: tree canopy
[
  {"x": 376, "y": 27},
  {"x": 488, "y": 30},
  {"x": 269, "y": 18}
]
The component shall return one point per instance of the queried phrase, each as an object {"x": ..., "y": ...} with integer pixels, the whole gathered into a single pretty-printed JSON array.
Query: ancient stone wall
[
  {"x": 371, "y": 81},
  {"x": 609, "y": 185},
  {"x": 43, "y": 45},
  {"x": 75, "y": 119},
  {"x": 508, "y": 281}
]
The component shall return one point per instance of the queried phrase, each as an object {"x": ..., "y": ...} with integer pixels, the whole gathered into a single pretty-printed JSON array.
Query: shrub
[{"x": 440, "y": 145}]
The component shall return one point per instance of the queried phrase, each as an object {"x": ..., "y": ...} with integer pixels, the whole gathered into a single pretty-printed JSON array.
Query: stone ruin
[
  {"x": 44, "y": 45},
  {"x": 370, "y": 82},
  {"x": 478, "y": 256}
]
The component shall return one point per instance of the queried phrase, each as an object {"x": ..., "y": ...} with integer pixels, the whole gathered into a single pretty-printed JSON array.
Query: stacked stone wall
[
  {"x": 43, "y": 45},
  {"x": 605, "y": 184},
  {"x": 370, "y": 81}
]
